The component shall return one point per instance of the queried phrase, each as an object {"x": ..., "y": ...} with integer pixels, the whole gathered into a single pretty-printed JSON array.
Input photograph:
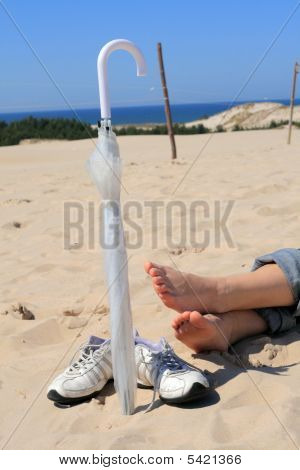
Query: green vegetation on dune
[
  {"x": 272, "y": 125},
  {"x": 161, "y": 130},
  {"x": 71, "y": 129},
  {"x": 32, "y": 128}
]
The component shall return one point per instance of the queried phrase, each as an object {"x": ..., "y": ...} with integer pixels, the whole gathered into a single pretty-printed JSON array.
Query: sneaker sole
[
  {"x": 53, "y": 395},
  {"x": 58, "y": 399},
  {"x": 146, "y": 387},
  {"x": 196, "y": 392}
]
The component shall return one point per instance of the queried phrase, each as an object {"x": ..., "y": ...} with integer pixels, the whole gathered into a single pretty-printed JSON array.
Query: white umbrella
[{"x": 105, "y": 168}]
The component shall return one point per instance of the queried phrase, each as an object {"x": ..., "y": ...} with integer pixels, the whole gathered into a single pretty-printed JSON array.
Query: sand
[{"x": 255, "y": 404}]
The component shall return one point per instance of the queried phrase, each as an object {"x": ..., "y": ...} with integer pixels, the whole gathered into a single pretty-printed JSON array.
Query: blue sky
[{"x": 210, "y": 48}]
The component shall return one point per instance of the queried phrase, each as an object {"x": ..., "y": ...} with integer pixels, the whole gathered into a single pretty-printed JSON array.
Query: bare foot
[
  {"x": 202, "y": 332},
  {"x": 184, "y": 291}
]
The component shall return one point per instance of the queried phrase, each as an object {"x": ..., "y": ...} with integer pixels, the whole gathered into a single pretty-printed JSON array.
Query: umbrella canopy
[{"x": 105, "y": 168}]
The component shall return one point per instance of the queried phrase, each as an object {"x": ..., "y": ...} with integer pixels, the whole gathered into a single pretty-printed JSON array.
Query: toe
[
  {"x": 147, "y": 266},
  {"x": 185, "y": 327},
  {"x": 161, "y": 289},
  {"x": 197, "y": 319},
  {"x": 177, "y": 320},
  {"x": 158, "y": 280},
  {"x": 154, "y": 272},
  {"x": 154, "y": 269},
  {"x": 185, "y": 316}
]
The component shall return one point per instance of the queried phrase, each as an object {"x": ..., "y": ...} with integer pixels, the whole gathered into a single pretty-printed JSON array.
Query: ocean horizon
[{"x": 147, "y": 114}]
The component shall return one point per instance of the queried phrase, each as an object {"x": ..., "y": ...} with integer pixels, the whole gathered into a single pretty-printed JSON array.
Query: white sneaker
[
  {"x": 84, "y": 378},
  {"x": 159, "y": 367}
]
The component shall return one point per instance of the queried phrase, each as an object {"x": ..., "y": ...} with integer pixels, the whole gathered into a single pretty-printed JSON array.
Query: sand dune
[
  {"x": 256, "y": 401},
  {"x": 249, "y": 116}
]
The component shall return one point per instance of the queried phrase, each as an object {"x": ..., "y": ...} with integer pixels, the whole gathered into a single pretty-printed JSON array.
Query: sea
[{"x": 153, "y": 114}]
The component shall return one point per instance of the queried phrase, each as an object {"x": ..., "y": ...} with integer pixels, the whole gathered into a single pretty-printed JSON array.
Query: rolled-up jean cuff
[
  {"x": 278, "y": 319},
  {"x": 281, "y": 319}
]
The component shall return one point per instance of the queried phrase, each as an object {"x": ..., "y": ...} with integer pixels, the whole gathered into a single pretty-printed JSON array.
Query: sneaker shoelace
[
  {"x": 163, "y": 360},
  {"x": 86, "y": 357}
]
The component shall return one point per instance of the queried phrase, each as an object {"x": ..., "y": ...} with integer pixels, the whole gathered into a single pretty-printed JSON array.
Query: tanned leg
[{"x": 265, "y": 287}]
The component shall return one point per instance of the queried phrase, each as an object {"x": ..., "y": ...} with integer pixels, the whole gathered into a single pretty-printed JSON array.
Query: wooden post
[
  {"x": 296, "y": 70},
  {"x": 166, "y": 100}
]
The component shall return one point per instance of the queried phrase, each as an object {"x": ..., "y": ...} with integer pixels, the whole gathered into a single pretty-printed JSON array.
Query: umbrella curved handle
[{"x": 102, "y": 69}]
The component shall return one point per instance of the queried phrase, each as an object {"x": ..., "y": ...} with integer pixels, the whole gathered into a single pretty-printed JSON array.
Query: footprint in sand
[
  {"x": 12, "y": 225},
  {"x": 74, "y": 310},
  {"x": 182, "y": 249},
  {"x": 15, "y": 202},
  {"x": 24, "y": 312},
  {"x": 272, "y": 350},
  {"x": 287, "y": 210},
  {"x": 18, "y": 311},
  {"x": 177, "y": 162},
  {"x": 267, "y": 189},
  {"x": 101, "y": 309},
  {"x": 259, "y": 352},
  {"x": 50, "y": 191},
  {"x": 177, "y": 251}
]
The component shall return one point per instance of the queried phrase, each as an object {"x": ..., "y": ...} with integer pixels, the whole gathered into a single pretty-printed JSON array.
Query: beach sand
[{"x": 255, "y": 404}]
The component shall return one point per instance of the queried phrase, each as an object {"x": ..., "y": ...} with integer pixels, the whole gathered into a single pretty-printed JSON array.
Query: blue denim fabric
[{"x": 279, "y": 318}]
